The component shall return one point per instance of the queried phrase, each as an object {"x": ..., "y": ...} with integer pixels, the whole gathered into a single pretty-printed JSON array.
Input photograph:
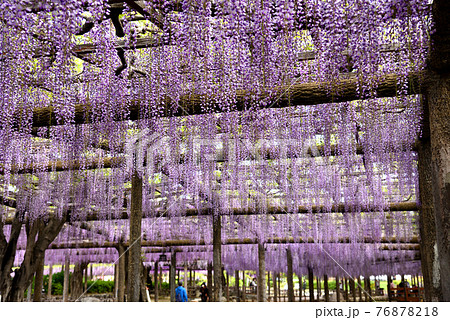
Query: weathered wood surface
[
  {"x": 135, "y": 239},
  {"x": 296, "y": 94}
]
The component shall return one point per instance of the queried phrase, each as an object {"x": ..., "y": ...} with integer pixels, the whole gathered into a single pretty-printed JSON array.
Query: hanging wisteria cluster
[{"x": 189, "y": 98}]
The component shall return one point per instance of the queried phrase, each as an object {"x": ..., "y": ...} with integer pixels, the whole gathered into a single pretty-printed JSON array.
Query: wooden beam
[
  {"x": 412, "y": 244},
  {"x": 312, "y": 93}
]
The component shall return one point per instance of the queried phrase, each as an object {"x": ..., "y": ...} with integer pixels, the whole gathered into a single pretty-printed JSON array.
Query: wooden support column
[
  {"x": 156, "y": 280},
  {"x": 261, "y": 288},
  {"x": 338, "y": 289},
  {"x": 268, "y": 285},
  {"x": 389, "y": 281},
  {"x": 236, "y": 284},
  {"x": 369, "y": 287},
  {"x": 228, "y": 287},
  {"x": 122, "y": 270},
  {"x": 275, "y": 290},
  {"x": 352, "y": 286},
  {"x": 66, "y": 279},
  {"x": 86, "y": 278},
  {"x": 311, "y": 284},
  {"x": 290, "y": 276},
  {"x": 366, "y": 290},
  {"x": 318, "y": 289},
  {"x": 360, "y": 289},
  {"x": 50, "y": 279},
  {"x": 217, "y": 256},
  {"x": 172, "y": 274},
  {"x": 134, "y": 263},
  {"x": 243, "y": 286},
  {"x": 186, "y": 278},
  {"x": 116, "y": 280},
  {"x": 437, "y": 95},
  {"x": 347, "y": 296},
  {"x": 325, "y": 286},
  {"x": 300, "y": 287},
  {"x": 210, "y": 281}
]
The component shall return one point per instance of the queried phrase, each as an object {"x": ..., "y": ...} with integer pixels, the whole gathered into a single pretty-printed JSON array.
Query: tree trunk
[
  {"x": 290, "y": 276},
  {"x": 135, "y": 239},
  {"x": 437, "y": 95},
  {"x": 217, "y": 256},
  {"x": 261, "y": 288},
  {"x": 39, "y": 280},
  {"x": 77, "y": 281}
]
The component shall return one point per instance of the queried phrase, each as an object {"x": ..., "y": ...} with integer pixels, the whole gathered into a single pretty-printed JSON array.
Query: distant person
[
  {"x": 204, "y": 292},
  {"x": 180, "y": 293},
  {"x": 253, "y": 285}
]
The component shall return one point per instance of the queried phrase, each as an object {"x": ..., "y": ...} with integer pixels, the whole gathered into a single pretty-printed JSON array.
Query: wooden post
[
  {"x": 66, "y": 279},
  {"x": 338, "y": 290},
  {"x": 92, "y": 273},
  {"x": 228, "y": 287},
  {"x": 275, "y": 289},
  {"x": 50, "y": 279},
  {"x": 186, "y": 279},
  {"x": 352, "y": 285},
  {"x": 311, "y": 284},
  {"x": 290, "y": 276},
  {"x": 236, "y": 284},
  {"x": 243, "y": 286},
  {"x": 389, "y": 281},
  {"x": 359, "y": 289},
  {"x": 210, "y": 281},
  {"x": 261, "y": 287},
  {"x": 369, "y": 287},
  {"x": 156, "y": 280},
  {"x": 319, "y": 289},
  {"x": 347, "y": 296},
  {"x": 268, "y": 285},
  {"x": 121, "y": 280},
  {"x": 172, "y": 274},
  {"x": 116, "y": 280},
  {"x": 325, "y": 286},
  {"x": 134, "y": 281},
  {"x": 217, "y": 257},
  {"x": 86, "y": 278}
]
